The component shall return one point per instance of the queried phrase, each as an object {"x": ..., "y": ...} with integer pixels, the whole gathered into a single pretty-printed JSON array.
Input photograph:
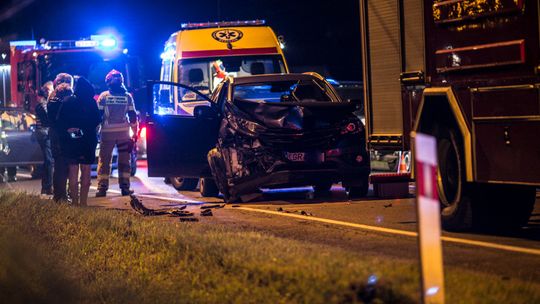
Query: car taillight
[
  {"x": 143, "y": 132},
  {"x": 333, "y": 152}
]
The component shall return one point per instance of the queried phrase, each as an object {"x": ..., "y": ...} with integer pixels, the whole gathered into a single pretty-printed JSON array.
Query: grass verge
[{"x": 57, "y": 253}]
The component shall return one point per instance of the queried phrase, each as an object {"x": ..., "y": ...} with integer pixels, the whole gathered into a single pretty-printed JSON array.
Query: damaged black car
[{"x": 264, "y": 131}]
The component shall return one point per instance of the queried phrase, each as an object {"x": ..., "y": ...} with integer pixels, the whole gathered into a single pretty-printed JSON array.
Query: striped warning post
[{"x": 429, "y": 223}]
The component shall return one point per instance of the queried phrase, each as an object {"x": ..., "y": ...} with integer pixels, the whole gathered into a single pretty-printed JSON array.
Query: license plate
[
  {"x": 305, "y": 157},
  {"x": 296, "y": 156}
]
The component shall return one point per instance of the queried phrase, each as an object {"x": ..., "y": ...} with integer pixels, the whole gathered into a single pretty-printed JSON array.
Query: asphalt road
[{"x": 375, "y": 226}]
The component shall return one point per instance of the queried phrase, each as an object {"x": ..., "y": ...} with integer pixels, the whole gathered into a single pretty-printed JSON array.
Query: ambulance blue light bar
[{"x": 186, "y": 26}]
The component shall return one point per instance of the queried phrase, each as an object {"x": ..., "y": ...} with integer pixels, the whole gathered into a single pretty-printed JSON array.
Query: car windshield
[
  {"x": 205, "y": 74},
  {"x": 305, "y": 90}
]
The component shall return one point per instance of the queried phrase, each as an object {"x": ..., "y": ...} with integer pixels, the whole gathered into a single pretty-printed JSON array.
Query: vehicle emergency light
[{"x": 186, "y": 26}]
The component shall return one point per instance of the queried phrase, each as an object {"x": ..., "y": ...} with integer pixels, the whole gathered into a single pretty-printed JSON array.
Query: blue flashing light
[
  {"x": 105, "y": 41},
  {"x": 31, "y": 43},
  {"x": 125, "y": 51},
  {"x": 332, "y": 81},
  {"x": 108, "y": 43}
]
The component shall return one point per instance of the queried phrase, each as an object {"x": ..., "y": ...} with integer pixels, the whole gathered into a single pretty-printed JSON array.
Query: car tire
[
  {"x": 357, "y": 191},
  {"x": 217, "y": 167},
  {"x": 208, "y": 187},
  {"x": 322, "y": 188},
  {"x": 186, "y": 184},
  {"x": 36, "y": 171},
  {"x": 360, "y": 188}
]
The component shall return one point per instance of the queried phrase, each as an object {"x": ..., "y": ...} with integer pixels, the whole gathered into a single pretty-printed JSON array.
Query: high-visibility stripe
[
  {"x": 233, "y": 52},
  {"x": 426, "y": 177}
]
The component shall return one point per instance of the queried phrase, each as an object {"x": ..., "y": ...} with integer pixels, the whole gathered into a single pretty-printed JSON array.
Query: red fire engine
[{"x": 32, "y": 64}]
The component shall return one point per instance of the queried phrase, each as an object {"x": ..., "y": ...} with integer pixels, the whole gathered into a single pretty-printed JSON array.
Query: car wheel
[
  {"x": 208, "y": 187},
  {"x": 188, "y": 184},
  {"x": 322, "y": 188},
  {"x": 218, "y": 171},
  {"x": 357, "y": 191},
  {"x": 36, "y": 171},
  {"x": 360, "y": 188}
]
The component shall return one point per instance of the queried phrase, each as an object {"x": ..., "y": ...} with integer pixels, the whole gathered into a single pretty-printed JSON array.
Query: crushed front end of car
[{"x": 273, "y": 145}]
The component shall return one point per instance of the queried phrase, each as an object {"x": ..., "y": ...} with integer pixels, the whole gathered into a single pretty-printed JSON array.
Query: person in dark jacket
[
  {"x": 42, "y": 136},
  {"x": 79, "y": 118},
  {"x": 63, "y": 89}
]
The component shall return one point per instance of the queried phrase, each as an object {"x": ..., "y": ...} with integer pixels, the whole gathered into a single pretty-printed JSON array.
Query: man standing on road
[
  {"x": 118, "y": 110},
  {"x": 63, "y": 88},
  {"x": 42, "y": 135}
]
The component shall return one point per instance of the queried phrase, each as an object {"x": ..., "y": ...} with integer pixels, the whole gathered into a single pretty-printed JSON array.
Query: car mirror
[{"x": 204, "y": 112}]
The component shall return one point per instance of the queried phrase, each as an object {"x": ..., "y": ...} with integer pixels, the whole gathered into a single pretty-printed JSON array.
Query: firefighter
[{"x": 118, "y": 111}]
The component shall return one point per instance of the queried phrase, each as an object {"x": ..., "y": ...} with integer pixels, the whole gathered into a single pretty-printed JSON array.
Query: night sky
[{"x": 322, "y": 35}]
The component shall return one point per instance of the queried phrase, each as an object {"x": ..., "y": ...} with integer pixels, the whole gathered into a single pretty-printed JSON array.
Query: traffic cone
[{"x": 402, "y": 164}]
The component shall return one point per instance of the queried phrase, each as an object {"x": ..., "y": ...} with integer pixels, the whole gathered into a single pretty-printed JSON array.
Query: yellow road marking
[
  {"x": 365, "y": 227},
  {"x": 397, "y": 231}
]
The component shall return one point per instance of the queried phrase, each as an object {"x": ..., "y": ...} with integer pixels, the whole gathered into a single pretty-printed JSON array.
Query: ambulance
[{"x": 201, "y": 55}]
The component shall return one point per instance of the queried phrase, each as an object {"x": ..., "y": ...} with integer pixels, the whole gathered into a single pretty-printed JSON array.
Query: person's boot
[
  {"x": 101, "y": 193},
  {"x": 126, "y": 192}
]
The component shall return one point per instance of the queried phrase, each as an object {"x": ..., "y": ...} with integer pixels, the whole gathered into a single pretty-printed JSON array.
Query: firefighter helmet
[{"x": 112, "y": 74}]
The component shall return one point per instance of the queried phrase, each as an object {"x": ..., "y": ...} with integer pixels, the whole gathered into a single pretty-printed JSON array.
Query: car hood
[
  {"x": 292, "y": 117},
  {"x": 307, "y": 124}
]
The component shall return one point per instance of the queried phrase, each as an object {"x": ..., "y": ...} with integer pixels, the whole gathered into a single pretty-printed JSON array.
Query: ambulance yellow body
[{"x": 201, "y": 55}]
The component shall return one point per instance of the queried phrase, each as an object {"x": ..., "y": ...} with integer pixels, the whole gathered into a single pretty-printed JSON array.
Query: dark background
[{"x": 320, "y": 35}]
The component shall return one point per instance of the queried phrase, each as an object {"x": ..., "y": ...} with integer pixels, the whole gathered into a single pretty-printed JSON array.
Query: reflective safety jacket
[{"x": 119, "y": 115}]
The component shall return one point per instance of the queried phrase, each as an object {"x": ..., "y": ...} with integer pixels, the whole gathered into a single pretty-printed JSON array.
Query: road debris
[
  {"x": 387, "y": 205},
  {"x": 215, "y": 206},
  {"x": 207, "y": 212},
  {"x": 301, "y": 212},
  {"x": 138, "y": 206}
]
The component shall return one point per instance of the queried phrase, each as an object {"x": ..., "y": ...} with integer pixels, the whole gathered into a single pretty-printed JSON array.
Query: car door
[
  {"x": 178, "y": 144},
  {"x": 18, "y": 146}
]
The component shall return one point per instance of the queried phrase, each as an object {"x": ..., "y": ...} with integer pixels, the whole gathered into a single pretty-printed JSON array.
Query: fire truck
[
  {"x": 33, "y": 64},
  {"x": 466, "y": 72}
]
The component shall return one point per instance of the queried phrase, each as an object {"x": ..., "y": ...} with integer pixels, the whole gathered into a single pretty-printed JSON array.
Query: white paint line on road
[
  {"x": 362, "y": 226},
  {"x": 397, "y": 231}
]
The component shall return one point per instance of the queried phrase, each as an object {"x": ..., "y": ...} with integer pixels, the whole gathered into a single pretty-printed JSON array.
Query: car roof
[{"x": 274, "y": 77}]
